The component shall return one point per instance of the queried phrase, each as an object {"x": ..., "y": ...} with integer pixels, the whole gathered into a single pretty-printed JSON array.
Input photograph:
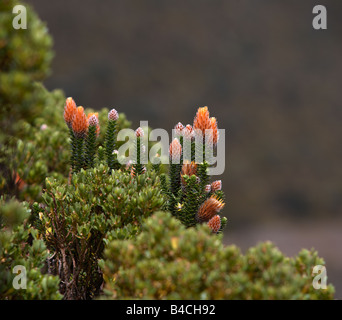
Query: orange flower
[
  {"x": 175, "y": 151},
  {"x": 209, "y": 208},
  {"x": 215, "y": 224},
  {"x": 69, "y": 111},
  {"x": 79, "y": 123},
  {"x": 202, "y": 120},
  {"x": 188, "y": 169},
  {"x": 213, "y": 124},
  {"x": 92, "y": 122}
]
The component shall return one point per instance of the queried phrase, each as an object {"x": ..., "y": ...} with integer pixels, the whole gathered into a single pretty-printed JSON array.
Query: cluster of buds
[
  {"x": 186, "y": 132},
  {"x": 190, "y": 179},
  {"x": 214, "y": 186},
  {"x": 76, "y": 119}
]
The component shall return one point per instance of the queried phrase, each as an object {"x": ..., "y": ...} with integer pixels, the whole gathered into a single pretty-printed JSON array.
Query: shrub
[
  {"x": 25, "y": 57},
  {"x": 167, "y": 261},
  {"x": 80, "y": 218},
  {"x": 20, "y": 244}
]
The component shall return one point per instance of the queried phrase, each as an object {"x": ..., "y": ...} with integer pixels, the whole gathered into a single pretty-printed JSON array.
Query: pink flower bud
[
  {"x": 178, "y": 128},
  {"x": 188, "y": 132},
  {"x": 113, "y": 115},
  {"x": 207, "y": 188},
  {"x": 175, "y": 150},
  {"x": 139, "y": 132},
  {"x": 216, "y": 185},
  {"x": 93, "y": 121}
]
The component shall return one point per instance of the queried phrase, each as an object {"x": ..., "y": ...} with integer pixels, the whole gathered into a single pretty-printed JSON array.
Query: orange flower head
[
  {"x": 202, "y": 120},
  {"x": 175, "y": 151},
  {"x": 79, "y": 123},
  {"x": 188, "y": 169},
  {"x": 216, "y": 185},
  {"x": 215, "y": 134},
  {"x": 214, "y": 224},
  {"x": 69, "y": 111},
  {"x": 93, "y": 120},
  {"x": 209, "y": 208}
]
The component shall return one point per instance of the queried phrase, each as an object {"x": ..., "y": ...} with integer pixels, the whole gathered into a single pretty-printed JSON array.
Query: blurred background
[{"x": 272, "y": 81}]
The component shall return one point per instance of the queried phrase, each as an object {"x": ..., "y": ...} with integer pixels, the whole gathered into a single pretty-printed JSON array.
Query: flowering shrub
[
  {"x": 190, "y": 196},
  {"x": 91, "y": 223}
]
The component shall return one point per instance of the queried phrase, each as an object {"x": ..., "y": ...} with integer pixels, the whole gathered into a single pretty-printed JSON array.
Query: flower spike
[{"x": 69, "y": 111}]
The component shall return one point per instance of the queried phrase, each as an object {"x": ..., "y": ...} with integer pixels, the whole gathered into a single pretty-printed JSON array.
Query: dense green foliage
[
  {"x": 82, "y": 217},
  {"x": 25, "y": 57},
  {"x": 21, "y": 244},
  {"x": 167, "y": 261}
]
